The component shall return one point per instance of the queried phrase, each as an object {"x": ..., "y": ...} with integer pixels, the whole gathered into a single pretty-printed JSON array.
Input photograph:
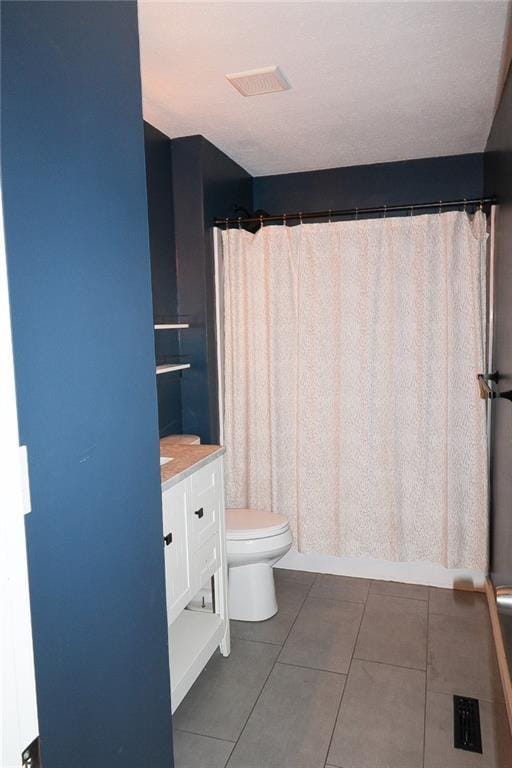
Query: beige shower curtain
[{"x": 351, "y": 404}]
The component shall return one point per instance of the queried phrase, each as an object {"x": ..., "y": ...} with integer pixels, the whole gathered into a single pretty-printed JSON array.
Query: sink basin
[{"x": 165, "y": 460}]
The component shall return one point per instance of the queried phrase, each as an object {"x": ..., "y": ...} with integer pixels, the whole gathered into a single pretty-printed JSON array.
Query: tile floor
[{"x": 350, "y": 673}]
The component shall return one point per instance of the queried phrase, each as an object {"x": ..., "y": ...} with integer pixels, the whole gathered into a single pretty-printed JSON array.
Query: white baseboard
[{"x": 430, "y": 574}]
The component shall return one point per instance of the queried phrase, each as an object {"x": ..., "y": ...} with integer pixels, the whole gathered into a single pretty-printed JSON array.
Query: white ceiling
[{"x": 370, "y": 81}]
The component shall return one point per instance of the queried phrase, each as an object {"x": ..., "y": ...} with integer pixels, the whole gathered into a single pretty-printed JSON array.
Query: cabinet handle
[
  {"x": 168, "y": 539},
  {"x": 199, "y": 513}
]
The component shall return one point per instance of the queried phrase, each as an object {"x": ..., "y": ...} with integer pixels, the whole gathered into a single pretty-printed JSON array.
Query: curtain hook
[
  {"x": 357, "y": 213},
  {"x": 410, "y": 210},
  {"x": 465, "y": 202},
  {"x": 300, "y": 217},
  {"x": 330, "y": 219},
  {"x": 261, "y": 221},
  {"x": 284, "y": 219},
  {"x": 385, "y": 211},
  {"x": 239, "y": 222},
  {"x": 227, "y": 223},
  {"x": 481, "y": 206},
  {"x": 439, "y": 211}
]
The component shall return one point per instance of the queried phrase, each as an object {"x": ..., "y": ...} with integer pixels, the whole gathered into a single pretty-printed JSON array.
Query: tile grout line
[
  {"x": 390, "y": 664},
  {"x": 270, "y": 672},
  {"x": 346, "y": 679},
  {"x": 204, "y": 735}
]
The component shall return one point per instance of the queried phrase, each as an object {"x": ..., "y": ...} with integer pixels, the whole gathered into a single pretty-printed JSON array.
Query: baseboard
[
  {"x": 429, "y": 574},
  {"x": 500, "y": 649}
]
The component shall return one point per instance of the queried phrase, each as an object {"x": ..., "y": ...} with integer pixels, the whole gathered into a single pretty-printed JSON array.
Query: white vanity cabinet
[{"x": 194, "y": 542}]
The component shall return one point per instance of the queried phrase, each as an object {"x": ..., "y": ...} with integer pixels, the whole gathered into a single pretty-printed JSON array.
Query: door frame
[{"x": 18, "y": 705}]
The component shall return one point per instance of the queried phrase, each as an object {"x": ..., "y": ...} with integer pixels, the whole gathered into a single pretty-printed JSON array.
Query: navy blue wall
[
  {"x": 206, "y": 183},
  {"x": 498, "y": 181},
  {"x": 364, "y": 186},
  {"x": 77, "y": 244},
  {"x": 163, "y": 271}
]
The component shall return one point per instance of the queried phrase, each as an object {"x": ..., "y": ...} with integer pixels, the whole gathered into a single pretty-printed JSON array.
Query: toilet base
[{"x": 252, "y": 593}]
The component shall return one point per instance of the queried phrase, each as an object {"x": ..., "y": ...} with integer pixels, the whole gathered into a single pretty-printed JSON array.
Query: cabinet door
[
  {"x": 205, "y": 500},
  {"x": 179, "y": 581}
]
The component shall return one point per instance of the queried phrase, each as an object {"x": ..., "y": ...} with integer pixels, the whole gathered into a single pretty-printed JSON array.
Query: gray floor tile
[
  {"x": 461, "y": 658},
  {"x": 456, "y": 602},
  {"x": 394, "y": 631},
  {"x": 193, "y": 751},
  {"x": 399, "y": 589},
  {"x": 439, "y": 750},
  {"x": 306, "y": 578},
  {"x": 323, "y": 635},
  {"x": 219, "y": 702},
  {"x": 380, "y": 724},
  {"x": 292, "y": 722},
  {"x": 341, "y": 588},
  {"x": 290, "y": 596}
]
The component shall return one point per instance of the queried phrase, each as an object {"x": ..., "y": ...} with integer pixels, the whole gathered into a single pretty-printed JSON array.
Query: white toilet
[{"x": 255, "y": 541}]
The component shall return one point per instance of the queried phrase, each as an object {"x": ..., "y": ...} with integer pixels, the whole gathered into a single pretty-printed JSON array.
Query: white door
[{"x": 18, "y": 708}]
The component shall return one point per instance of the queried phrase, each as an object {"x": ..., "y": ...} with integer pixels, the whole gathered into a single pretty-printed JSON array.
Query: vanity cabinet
[{"x": 195, "y": 558}]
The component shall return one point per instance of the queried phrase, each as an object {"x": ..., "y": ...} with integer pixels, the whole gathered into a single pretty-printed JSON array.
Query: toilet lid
[{"x": 253, "y": 524}]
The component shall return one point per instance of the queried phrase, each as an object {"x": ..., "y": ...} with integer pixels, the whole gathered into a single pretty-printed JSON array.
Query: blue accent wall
[
  {"x": 205, "y": 182},
  {"x": 365, "y": 186},
  {"x": 163, "y": 271},
  {"x": 75, "y": 207}
]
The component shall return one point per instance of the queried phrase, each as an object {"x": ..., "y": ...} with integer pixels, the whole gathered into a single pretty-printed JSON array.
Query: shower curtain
[{"x": 351, "y": 403}]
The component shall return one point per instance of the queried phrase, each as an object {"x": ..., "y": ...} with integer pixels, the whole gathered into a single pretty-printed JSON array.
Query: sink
[{"x": 165, "y": 460}]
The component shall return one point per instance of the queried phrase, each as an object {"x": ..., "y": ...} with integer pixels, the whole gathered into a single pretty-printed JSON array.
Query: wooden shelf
[
  {"x": 170, "y": 326},
  {"x": 171, "y": 367},
  {"x": 192, "y": 640}
]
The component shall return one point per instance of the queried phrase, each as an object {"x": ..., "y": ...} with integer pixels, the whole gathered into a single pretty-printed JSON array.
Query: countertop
[{"x": 186, "y": 459}]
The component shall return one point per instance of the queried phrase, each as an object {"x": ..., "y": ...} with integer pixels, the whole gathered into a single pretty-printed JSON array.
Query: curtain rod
[{"x": 384, "y": 209}]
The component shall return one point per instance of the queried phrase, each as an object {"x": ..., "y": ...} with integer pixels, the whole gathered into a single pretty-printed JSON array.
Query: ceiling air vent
[{"x": 257, "y": 81}]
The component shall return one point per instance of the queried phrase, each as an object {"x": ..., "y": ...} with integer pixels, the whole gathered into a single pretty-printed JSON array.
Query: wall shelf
[
  {"x": 169, "y": 367},
  {"x": 170, "y": 326}
]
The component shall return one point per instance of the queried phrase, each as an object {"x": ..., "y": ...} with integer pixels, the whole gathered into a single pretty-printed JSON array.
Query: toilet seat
[{"x": 243, "y": 524}]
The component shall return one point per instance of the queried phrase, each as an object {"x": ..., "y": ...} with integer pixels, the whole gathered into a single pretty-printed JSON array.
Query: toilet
[{"x": 255, "y": 541}]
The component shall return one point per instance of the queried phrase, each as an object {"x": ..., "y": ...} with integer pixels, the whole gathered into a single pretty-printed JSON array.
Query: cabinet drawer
[
  {"x": 205, "y": 499},
  {"x": 207, "y": 559}
]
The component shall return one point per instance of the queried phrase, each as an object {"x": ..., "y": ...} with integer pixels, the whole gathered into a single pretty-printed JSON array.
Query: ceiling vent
[{"x": 254, "y": 82}]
